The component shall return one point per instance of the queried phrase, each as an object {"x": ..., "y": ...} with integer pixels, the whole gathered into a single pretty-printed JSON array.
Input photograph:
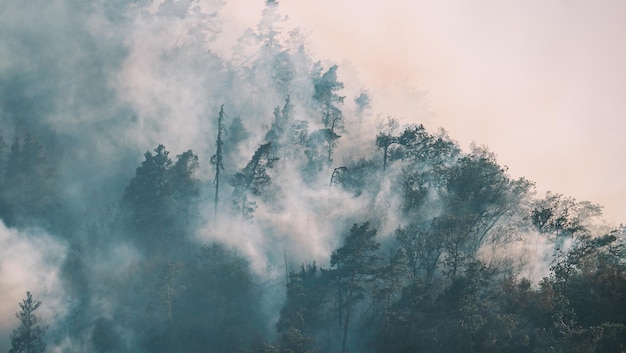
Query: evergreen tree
[
  {"x": 28, "y": 338},
  {"x": 183, "y": 178},
  {"x": 159, "y": 200},
  {"x": 326, "y": 86},
  {"x": 307, "y": 296},
  {"x": 281, "y": 125},
  {"x": 148, "y": 193},
  {"x": 253, "y": 180}
]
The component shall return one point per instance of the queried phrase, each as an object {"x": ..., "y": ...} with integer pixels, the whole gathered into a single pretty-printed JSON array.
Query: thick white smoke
[{"x": 30, "y": 260}]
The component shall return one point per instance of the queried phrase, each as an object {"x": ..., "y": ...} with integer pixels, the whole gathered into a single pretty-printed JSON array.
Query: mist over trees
[{"x": 253, "y": 202}]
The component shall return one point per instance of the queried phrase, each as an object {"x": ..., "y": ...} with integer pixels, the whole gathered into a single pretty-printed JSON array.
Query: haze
[{"x": 541, "y": 83}]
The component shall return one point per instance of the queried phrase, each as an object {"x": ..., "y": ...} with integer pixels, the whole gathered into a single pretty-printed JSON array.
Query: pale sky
[{"x": 542, "y": 83}]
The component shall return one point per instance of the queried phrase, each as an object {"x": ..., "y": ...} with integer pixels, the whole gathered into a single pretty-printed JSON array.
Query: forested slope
[{"x": 289, "y": 216}]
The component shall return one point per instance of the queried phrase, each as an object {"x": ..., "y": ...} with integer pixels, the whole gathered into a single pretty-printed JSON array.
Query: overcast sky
[{"x": 542, "y": 83}]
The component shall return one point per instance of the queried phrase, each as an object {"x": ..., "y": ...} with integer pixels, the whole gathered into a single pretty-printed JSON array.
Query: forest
[{"x": 159, "y": 196}]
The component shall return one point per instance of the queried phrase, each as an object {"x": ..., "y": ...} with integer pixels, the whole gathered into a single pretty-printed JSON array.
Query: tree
[
  {"x": 28, "y": 338},
  {"x": 383, "y": 141},
  {"x": 281, "y": 125},
  {"x": 562, "y": 217},
  {"x": 317, "y": 148},
  {"x": 480, "y": 195},
  {"x": 307, "y": 297},
  {"x": 415, "y": 144},
  {"x": 355, "y": 263},
  {"x": 422, "y": 250},
  {"x": 274, "y": 60},
  {"x": 253, "y": 179},
  {"x": 148, "y": 194},
  {"x": 236, "y": 133},
  {"x": 160, "y": 198},
  {"x": 168, "y": 287},
  {"x": 269, "y": 27},
  {"x": 219, "y": 309},
  {"x": 589, "y": 284},
  {"x": 337, "y": 177},
  {"x": 385, "y": 138},
  {"x": 216, "y": 159},
  {"x": 325, "y": 87},
  {"x": 390, "y": 280},
  {"x": 261, "y": 54},
  {"x": 185, "y": 185}
]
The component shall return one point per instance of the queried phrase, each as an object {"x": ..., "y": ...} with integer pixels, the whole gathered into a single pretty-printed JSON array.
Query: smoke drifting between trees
[{"x": 287, "y": 222}]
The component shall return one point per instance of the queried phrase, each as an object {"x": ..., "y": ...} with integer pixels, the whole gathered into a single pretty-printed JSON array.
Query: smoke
[
  {"x": 100, "y": 83},
  {"x": 30, "y": 260}
]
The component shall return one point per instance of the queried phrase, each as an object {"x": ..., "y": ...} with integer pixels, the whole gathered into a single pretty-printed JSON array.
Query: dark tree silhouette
[
  {"x": 217, "y": 158},
  {"x": 28, "y": 338},
  {"x": 355, "y": 262},
  {"x": 253, "y": 180},
  {"x": 325, "y": 87}
]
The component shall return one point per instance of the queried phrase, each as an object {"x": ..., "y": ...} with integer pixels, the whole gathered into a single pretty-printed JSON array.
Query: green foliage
[
  {"x": 150, "y": 190},
  {"x": 441, "y": 277},
  {"x": 160, "y": 199},
  {"x": 355, "y": 263},
  {"x": 253, "y": 180},
  {"x": 306, "y": 305},
  {"x": 563, "y": 217},
  {"x": 326, "y": 85},
  {"x": 418, "y": 145},
  {"x": 218, "y": 308},
  {"x": 422, "y": 250}
]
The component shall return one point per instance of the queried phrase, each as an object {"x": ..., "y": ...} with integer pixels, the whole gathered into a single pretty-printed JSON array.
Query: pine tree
[
  {"x": 325, "y": 87},
  {"x": 253, "y": 180},
  {"x": 147, "y": 199},
  {"x": 28, "y": 338}
]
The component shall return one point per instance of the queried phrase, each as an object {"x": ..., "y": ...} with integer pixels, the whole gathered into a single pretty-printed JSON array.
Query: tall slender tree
[
  {"x": 326, "y": 86},
  {"x": 216, "y": 159}
]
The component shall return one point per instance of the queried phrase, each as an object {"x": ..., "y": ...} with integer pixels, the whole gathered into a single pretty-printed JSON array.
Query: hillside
[{"x": 160, "y": 197}]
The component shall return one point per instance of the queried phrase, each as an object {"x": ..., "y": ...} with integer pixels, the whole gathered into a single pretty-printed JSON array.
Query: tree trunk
[{"x": 346, "y": 323}]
